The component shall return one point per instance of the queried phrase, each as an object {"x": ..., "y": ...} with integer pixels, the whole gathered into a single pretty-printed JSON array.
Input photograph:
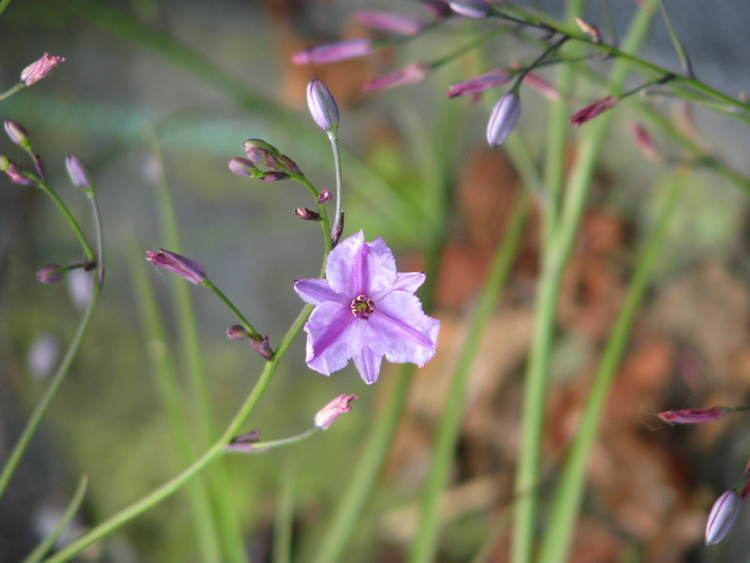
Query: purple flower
[
  {"x": 479, "y": 84},
  {"x": 79, "y": 176},
  {"x": 365, "y": 310},
  {"x": 40, "y": 68},
  {"x": 177, "y": 264},
  {"x": 388, "y": 22},
  {"x": 329, "y": 413},
  {"x": 592, "y": 110},
  {"x": 411, "y": 74},
  {"x": 322, "y": 106},
  {"x": 722, "y": 517},
  {"x": 475, "y": 9},
  {"x": 333, "y": 52},
  {"x": 242, "y": 167},
  {"x": 503, "y": 119}
]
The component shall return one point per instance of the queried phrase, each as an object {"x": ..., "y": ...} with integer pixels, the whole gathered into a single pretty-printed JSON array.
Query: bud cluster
[{"x": 263, "y": 162}]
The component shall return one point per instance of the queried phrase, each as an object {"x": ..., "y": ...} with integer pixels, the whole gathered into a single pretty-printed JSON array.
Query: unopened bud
[
  {"x": 236, "y": 332},
  {"x": 16, "y": 174},
  {"x": 644, "y": 142},
  {"x": 242, "y": 167},
  {"x": 289, "y": 164},
  {"x": 273, "y": 176},
  {"x": 261, "y": 153},
  {"x": 177, "y": 264},
  {"x": 244, "y": 442},
  {"x": 16, "y": 133},
  {"x": 322, "y": 106},
  {"x": 40, "y": 68},
  {"x": 51, "y": 273},
  {"x": 324, "y": 195},
  {"x": 503, "y": 119},
  {"x": 388, "y": 22},
  {"x": 39, "y": 167},
  {"x": 722, "y": 517},
  {"x": 479, "y": 84},
  {"x": 411, "y": 74},
  {"x": 79, "y": 176},
  {"x": 592, "y": 110},
  {"x": 329, "y": 413},
  {"x": 475, "y": 9},
  {"x": 693, "y": 416},
  {"x": 333, "y": 52},
  {"x": 306, "y": 214},
  {"x": 590, "y": 30},
  {"x": 262, "y": 346}
]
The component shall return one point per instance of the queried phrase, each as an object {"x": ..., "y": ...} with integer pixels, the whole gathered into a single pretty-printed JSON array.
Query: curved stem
[
  {"x": 262, "y": 447},
  {"x": 91, "y": 195},
  {"x": 87, "y": 250},
  {"x": 41, "y": 407},
  {"x": 232, "y": 307},
  {"x": 13, "y": 89},
  {"x": 322, "y": 209},
  {"x": 337, "y": 165}
]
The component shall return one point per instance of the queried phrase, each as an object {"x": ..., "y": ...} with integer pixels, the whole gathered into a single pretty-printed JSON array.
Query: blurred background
[{"x": 201, "y": 78}]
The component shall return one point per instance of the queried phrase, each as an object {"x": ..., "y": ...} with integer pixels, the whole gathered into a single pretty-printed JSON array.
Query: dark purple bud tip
[
  {"x": 236, "y": 332},
  {"x": 262, "y": 346},
  {"x": 16, "y": 133},
  {"x": 177, "y": 264},
  {"x": 242, "y": 167},
  {"x": 307, "y": 214},
  {"x": 51, "y": 273},
  {"x": 324, "y": 195},
  {"x": 244, "y": 442}
]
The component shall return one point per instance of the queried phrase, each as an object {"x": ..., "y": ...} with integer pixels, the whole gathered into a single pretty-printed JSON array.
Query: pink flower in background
[
  {"x": 693, "y": 416},
  {"x": 388, "y": 22},
  {"x": 365, "y": 310},
  {"x": 177, "y": 264},
  {"x": 479, "y": 84},
  {"x": 411, "y": 74},
  {"x": 333, "y": 52},
  {"x": 538, "y": 83},
  {"x": 592, "y": 110},
  {"x": 40, "y": 68}
]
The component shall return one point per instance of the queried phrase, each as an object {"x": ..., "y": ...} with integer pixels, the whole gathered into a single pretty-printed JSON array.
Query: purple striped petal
[
  {"x": 328, "y": 344},
  {"x": 356, "y": 267},
  {"x": 405, "y": 333},
  {"x": 316, "y": 291},
  {"x": 368, "y": 363}
]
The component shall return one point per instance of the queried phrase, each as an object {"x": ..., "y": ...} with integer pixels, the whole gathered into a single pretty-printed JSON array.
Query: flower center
[{"x": 362, "y": 307}]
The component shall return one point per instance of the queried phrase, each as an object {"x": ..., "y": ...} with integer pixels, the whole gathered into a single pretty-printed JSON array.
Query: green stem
[
  {"x": 322, "y": 209},
  {"x": 40, "y": 409},
  {"x": 425, "y": 543},
  {"x": 337, "y": 166},
  {"x": 12, "y": 90},
  {"x": 49, "y": 542},
  {"x": 682, "y": 55},
  {"x": 555, "y": 258},
  {"x": 3, "y": 5},
  {"x": 232, "y": 307},
  {"x": 72, "y": 222},
  {"x": 567, "y": 499},
  {"x": 284, "y": 520},
  {"x": 94, "y": 204},
  {"x": 262, "y": 447}
]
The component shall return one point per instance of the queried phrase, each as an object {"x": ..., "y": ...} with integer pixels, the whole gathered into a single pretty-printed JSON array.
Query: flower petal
[
  {"x": 405, "y": 281},
  {"x": 367, "y": 363},
  {"x": 404, "y": 332},
  {"x": 328, "y": 337},
  {"x": 357, "y": 267},
  {"x": 339, "y": 266},
  {"x": 316, "y": 291}
]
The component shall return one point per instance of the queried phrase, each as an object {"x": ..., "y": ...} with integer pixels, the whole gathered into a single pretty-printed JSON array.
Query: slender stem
[
  {"x": 16, "y": 87},
  {"x": 40, "y": 409},
  {"x": 425, "y": 543},
  {"x": 535, "y": 63},
  {"x": 48, "y": 543},
  {"x": 60, "y": 204},
  {"x": 567, "y": 499},
  {"x": 682, "y": 55},
  {"x": 554, "y": 259},
  {"x": 284, "y": 520},
  {"x": 235, "y": 310},
  {"x": 262, "y": 447},
  {"x": 322, "y": 209},
  {"x": 337, "y": 165},
  {"x": 93, "y": 203}
]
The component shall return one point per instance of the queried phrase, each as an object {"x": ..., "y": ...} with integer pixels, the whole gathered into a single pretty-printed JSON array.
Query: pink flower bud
[
  {"x": 333, "y": 52},
  {"x": 411, "y": 74},
  {"x": 324, "y": 195},
  {"x": 479, "y": 84},
  {"x": 722, "y": 517},
  {"x": 503, "y": 119},
  {"x": 475, "y": 9},
  {"x": 592, "y": 110},
  {"x": 262, "y": 346},
  {"x": 236, "y": 332},
  {"x": 693, "y": 416},
  {"x": 538, "y": 83},
  {"x": 79, "y": 176},
  {"x": 15, "y": 173},
  {"x": 40, "y": 68},
  {"x": 322, "y": 106},
  {"x": 273, "y": 176},
  {"x": 244, "y": 443},
  {"x": 388, "y": 22},
  {"x": 329, "y": 413},
  {"x": 16, "y": 133},
  {"x": 177, "y": 264},
  {"x": 306, "y": 214},
  {"x": 51, "y": 273},
  {"x": 242, "y": 167},
  {"x": 590, "y": 30},
  {"x": 261, "y": 153},
  {"x": 644, "y": 142}
]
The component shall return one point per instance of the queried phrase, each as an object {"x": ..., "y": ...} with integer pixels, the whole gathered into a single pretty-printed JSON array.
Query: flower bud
[
  {"x": 322, "y": 106},
  {"x": 15, "y": 173},
  {"x": 411, "y": 74},
  {"x": 589, "y": 29},
  {"x": 503, "y": 119},
  {"x": 244, "y": 442},
  {"x": 236, "y": 332},
  {"x": 333, "y": 52},
  {"x": 273, "y": 176},
  {"x": 39, "y": 167},
  {"x": 644, "y": 142},
  {"x": 475, "y": 9},
  {"x": 289, "y": 164},
  {"x": 537, "y": 82},
  {"x": 40, "y": 68},
  {"x": 722, "y": 517},
  {"x": 692, "y": 416},
  {"x": 329, "y": 413},
  {"x": 479, "y": 84},
  {"x": 51, "y": 273},
  {"x": 177, "y": 264},
  {"x": 592, "y": 110},
  {"x": 261, "y": 153},
  {"x": 242, "y": 167},
  {"x": 77, "y": 172},
  {"x": 16, "y": 133},
  {"x": 307, "y": 214},
  {"x": 388, "y": 22},
  {"x": 262, "y": 346},
  {"x": 324, "y": 195}
]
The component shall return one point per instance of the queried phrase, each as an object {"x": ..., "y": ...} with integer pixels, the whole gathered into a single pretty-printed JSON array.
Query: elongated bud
[
  {"x": 322, "y": 106},
  {"x": 306, "y": 214},
  {"x": 273, "y": 176},
  {"x": 592, "y": 110},
  {"x": 177, "y": 264},
  {"x": 242, "y": 167},
  {"x": 324, "y": 195},
  {"x": 329, "y": 413},
  {"x": 51, "y": 273},
  {"x": 79, "y": 176},
  {"x": 261, "y": 153},
  {"x": 388, "y": 22},
  {"x": 39, "y": 167},
  {"x": 590, "y": 30},
  {"x": 475, "y": 9},
  {"x": 693, "y": 416},
  {"x": 722, "y": 517},
  {"x": 289, "y": 165},
  {"x": 334, "y": 52},
  {"x": 236, "y": 332},
  {"x": 40, "y": 68},
  {"x": 538, "y": 83},
  {"x": 479, "y": 84},
  {"x": 412, "y": 74},
  {"x": 15, "y": 174},
  {"x": 503, "y": 119},
  {"x": 262, "y": 346},
  {"x": 644, "y": 142},
  {"x": 244, "y": 442},
  {"x": 16, "y": 133}
]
